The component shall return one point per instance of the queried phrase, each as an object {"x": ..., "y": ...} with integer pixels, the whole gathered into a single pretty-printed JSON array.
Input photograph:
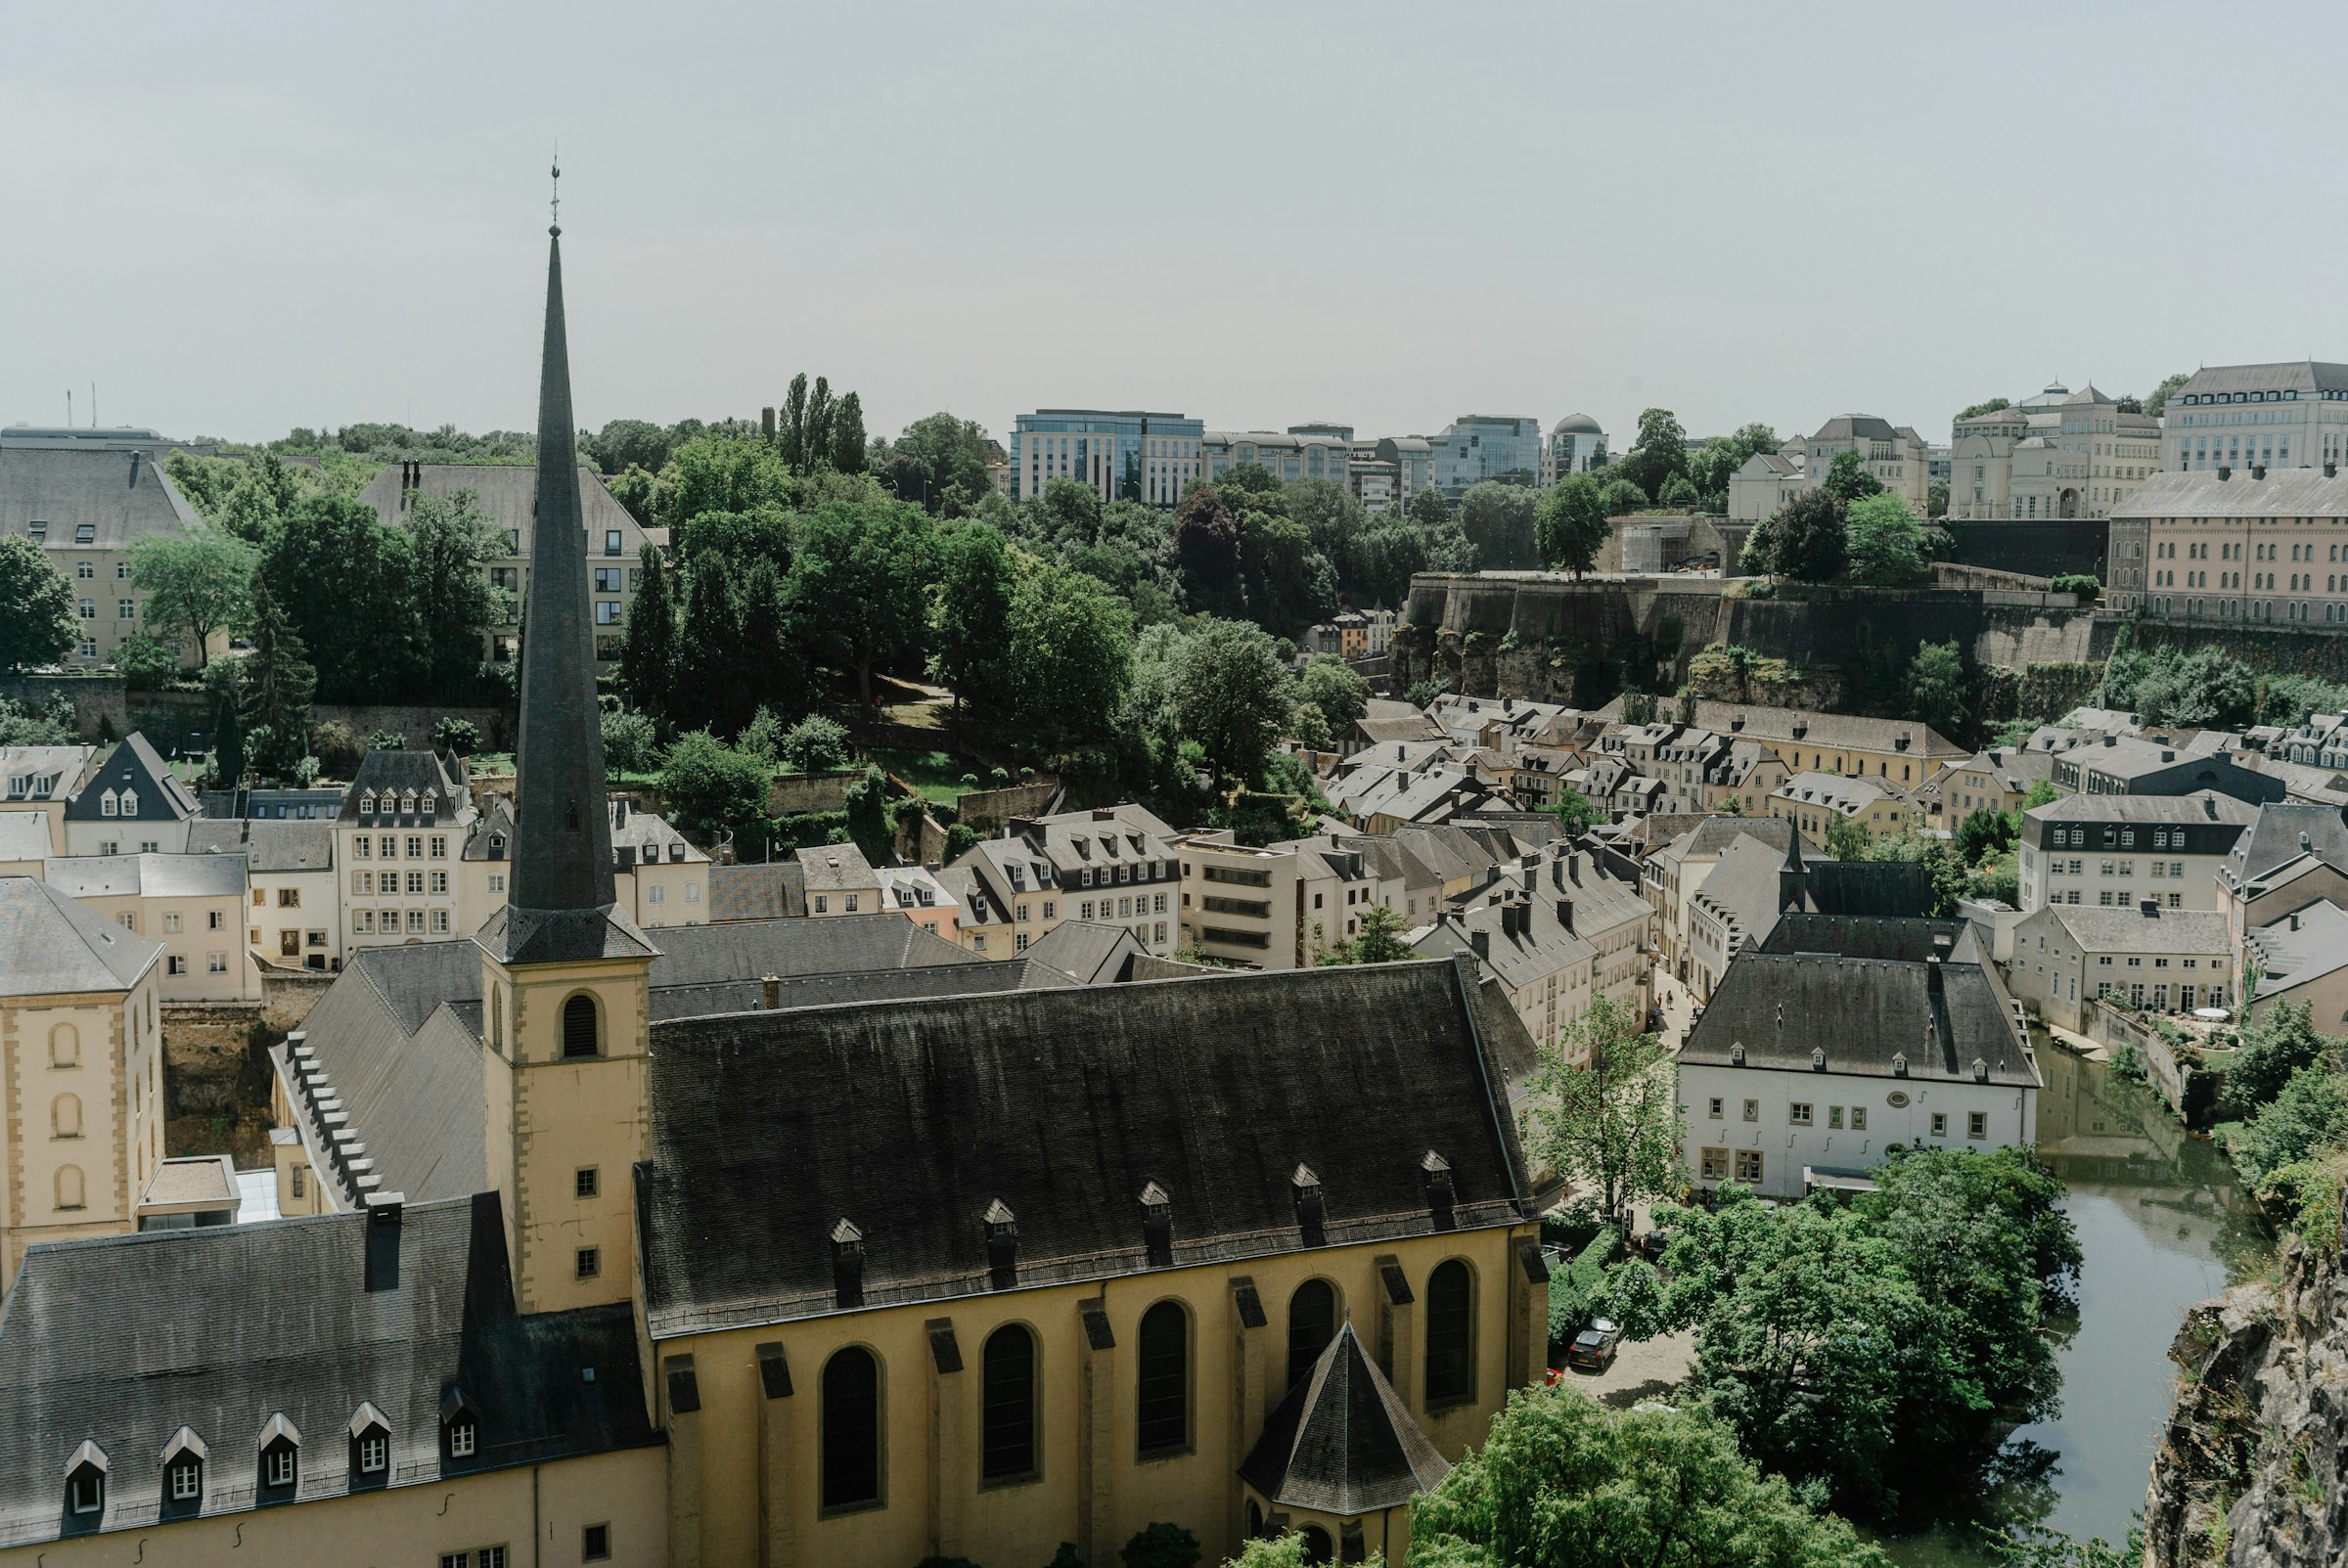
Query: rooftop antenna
[
  {"x": 69, "y": 408},
  {"x": 93, "y": 405}
]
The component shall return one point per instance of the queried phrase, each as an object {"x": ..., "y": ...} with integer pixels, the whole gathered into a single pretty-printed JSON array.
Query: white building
[
  {"x": 399, "y": 835},
  {"x": 2077, "y": 457},
  {"x": 1894, "y": 454},
  {"x": 1844, "y": 1038},
  {"x": 2115, "y": 851},
  {"x": 131, "y": 804},
  {"x": 193, "y": 904},
  {"x": 2290, "y": 414},
  {"x": 291, "y": 914}
]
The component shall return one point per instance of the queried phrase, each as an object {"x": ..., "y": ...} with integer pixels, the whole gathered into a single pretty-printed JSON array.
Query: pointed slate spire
[
  {"x": 1343, "y": 1442},
  {"x": 562, "y": 838}
]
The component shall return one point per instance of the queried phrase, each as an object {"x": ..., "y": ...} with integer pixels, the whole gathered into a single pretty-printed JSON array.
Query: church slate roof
[
  {"x": 1341, "y": 1441},
  {"x": 911, "y": 1119},
  {"x": 121, "y": 1340}
]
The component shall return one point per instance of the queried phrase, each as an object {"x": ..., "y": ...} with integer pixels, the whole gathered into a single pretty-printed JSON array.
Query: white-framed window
[
  {"x": 217, "y": 963},
  {"x": 374, "y": 1449},
  {"x": 497, "y": 881},
  {"x": 279, "y": 1466},
  {"x": 439, "y": 922},
  {"x": 176, "y": 964},
  {"x": 693, "y": 892}
]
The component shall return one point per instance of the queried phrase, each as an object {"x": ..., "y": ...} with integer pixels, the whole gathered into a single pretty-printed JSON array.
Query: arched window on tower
[
  {"x": 581, "y": 1028},
  {"x": 1006, "y": 1404},
  {"x": 851, "y": 1436},
  {"x": 1312, "y": 1325}
]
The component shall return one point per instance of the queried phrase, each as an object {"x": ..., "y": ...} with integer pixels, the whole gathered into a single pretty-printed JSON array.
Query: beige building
[
  {"x": 398, "y": 837},
  {"x": 1282, "y": 906},
  {"x": 503, "y": 495},
  {"x": 1898, "y": 751},
  {"x": 87, "y": 508},
  {"x": 193, "y": 904},
  {"x": 37, "y": 782},
  {"x": 1557, "y": 932},
  {"x": 1894, "y": 454},
  {"x": 915, "y": 892},
  {"x": 1815, "y": 801},
  {"x": 839, "y": 879},
  {"x": 82, "y": 1052},
  {"x": 1112, "y": 865},
  {"x": 2058, "y": 455},
  {"x": 1672, "y": 875},
  {"x": 292, "y": 918},
  {"x": 2145, "y": 957},
  {"x": 2263, "y": 546},
  {"x": 2301, "y": 961}
]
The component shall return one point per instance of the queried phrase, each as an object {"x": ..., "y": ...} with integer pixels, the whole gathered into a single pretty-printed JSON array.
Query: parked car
[
  {"x": 1650, "y": 1244},
  {"x": 1594, "y": 1349}
]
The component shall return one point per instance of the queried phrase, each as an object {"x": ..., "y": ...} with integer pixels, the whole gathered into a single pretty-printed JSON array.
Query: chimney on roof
[
  {"x": 1001, "y": 1246},
  {"x": 1435, "y": 1170},
  {"x": 2306, "y": 843},
  {"x": 1104, "y": 814},
  {"x": 619, "y": 812},
  {"x": 2209, "y": 808},
  {"x": 2167, "y": 755},
  {"x": 2150, "y": 908},
  {"x": 1158, "y": 1226},
  {"x": 2225, "y": 472},
  {"x": 2293, "y": 917},
  {"x": 1305, "y": 1188},
  {"x": 383, "y": 1239},
  {"x": 2110, "y": 740},
  {"x": 2258, "y": 471},
  {"x": 1481, "y": 943},
  {"x": 1566, "y": 914},
  {"x": 770, "y": 992},
  {"x": 1933, "y": 975},
  {"x": 848, "y": 1264}
]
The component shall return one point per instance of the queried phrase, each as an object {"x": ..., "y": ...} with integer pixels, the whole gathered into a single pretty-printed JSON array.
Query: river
[{"x": 2162, "y": 1223}]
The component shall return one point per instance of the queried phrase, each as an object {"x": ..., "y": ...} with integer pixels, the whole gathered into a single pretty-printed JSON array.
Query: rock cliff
[{"x": 2249, "y": 1470}]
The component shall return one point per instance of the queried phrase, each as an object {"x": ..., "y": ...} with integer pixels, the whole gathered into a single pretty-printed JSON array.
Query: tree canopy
[
  {"x": 1570, "y": 525},
  {"x": 1659, "y": 453},
  {"x": 37, "y": 620},
  {"x": 1607, "y": 1114},
  {"x": 1884, "y": 542},
  {"x": 1848, "y": 479},
  {"x": 197, "y": 583}
]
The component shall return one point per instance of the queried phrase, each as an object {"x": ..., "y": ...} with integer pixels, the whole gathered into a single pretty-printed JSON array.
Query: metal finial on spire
[{"x": 554, "y": 205}]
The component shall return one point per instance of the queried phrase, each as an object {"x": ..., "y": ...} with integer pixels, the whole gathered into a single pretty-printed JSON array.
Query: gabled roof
[
  {"x": 1087, "y": 952},
  {"x": 270, "y": 847},
  {"x": 2129, "y": 929},
  {"x": 123, "y": 497},
  {"x": 1862, "y": 1013},
  {"x": 1341, "y": 1443},
  {"x": 403, "y": 774},
  {"x": 2304, "y": 945},
  {"x": 52, "y": 945},
  {"x": 506, "y": 493},
  {"x": 122, "y": 1340},
  {"x": 911, "y": 1119},
  {"x": 2283, "y": 832},
  {"x": 50, "y": 773},
  {"x": 148, "y": 875},
  {"x": 133, "y": 765},
  {"x": 2200, "y": 493},
  {"x": 837, "y": 868},
  {"x": 2201, "y": 806},
  {"x": 767, "y": 892}
]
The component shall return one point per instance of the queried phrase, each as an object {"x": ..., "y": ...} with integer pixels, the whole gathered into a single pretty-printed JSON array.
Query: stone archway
[{"x": 2069, "y": 505}]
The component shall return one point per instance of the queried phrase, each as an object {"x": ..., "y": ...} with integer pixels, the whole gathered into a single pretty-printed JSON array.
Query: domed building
[{"x": 1575, "y": 445}]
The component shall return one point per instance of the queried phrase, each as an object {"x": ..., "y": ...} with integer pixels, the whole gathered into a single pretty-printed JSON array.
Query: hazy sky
[{"x": 238, "y": 219}]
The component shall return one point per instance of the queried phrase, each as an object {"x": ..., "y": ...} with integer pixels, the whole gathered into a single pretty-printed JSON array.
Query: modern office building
[
  {"x": 2288, "y": 415},
  {"x": 1476, "y": 447},
  {"x": 1386, "y": 472},
  {"x": 1305, "y": 453},
  {"x": 1575, "y": 445},
  {"x": 1124, "y": 455}
]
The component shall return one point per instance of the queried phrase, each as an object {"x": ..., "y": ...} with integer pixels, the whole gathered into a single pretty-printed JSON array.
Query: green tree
[
  {"x": 1883, "y": 540},
  {"x": 2310, "y": 1114},
  {"x": 2159, "y": 400},
  {"x": 1849, "y": 478},
  {"x": 631, "y": 743},
  {"x": 649, "y": 653},
  {"x": 706, "y": 693},
  {"x": 1231, "y": 696},
  {"x": 450, "y": 546},
  {"x": 1716, "y": 462},
  {"x": 1847, "y": 838},
  {"x": 1988, "y": 406},
  {"x": 723, "y": 473},
  {"x": 1679, "y": 491},
  {"x": 847, "y": 435},
  {"x": 1936, "y": 687},
  {"x": 1607, "y": 1114},
  {"x": 939, "y": 463},
  {"x": 224, "y": 685},
  {"x": 637, "y": 489},
  {"x": 767, "y": 670},
  {"x": 37, "y": 620},
  {"x": 197, "y": 583},
  {"x": 2277, "y": 1044},
  {"x": 1936, "y": 499},
  {"x": 1331, "y": 685},
  {"x": 1160, "y": 1545},
  {"x": 860, "y": 583},
  {"x": 822, "y": 411},
  {"x": 1569, "y": 523},
  {"x": 1563, "y": 1482},
  {"x": 1578, "y": 814},
  {"x": 1984, "y": 834},
  {"x": 277, "y": 683},
  {"x": 346, "y": 583},
  {"x": 1621, "y": 497},
  {"x": 1378, "y": 940},
  {"x": 1806, "y": 537},
  {"x": 711, "y": 789},
  {"x": 974, "y": 587},
  {"x": 147, "y": 665},
  {"x": 867, "y": 803},
  {"x": 814, "y": 745},
  {"x": 1498, "y": 519},
  {"x": 1067, "y": 660},
  {"x": 459, "y": 738},
  {"x": 628, "y": 443},
  {"x": 791, "y": 434},
  {"x": 1659, "y": 453}
]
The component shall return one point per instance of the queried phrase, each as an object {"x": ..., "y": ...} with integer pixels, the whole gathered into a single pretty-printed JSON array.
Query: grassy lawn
[{"x": 938, "y": 776}]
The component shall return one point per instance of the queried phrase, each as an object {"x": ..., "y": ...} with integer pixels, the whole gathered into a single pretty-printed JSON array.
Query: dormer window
[
  {"x": 85, "y": 533},
  {"x": 281, "y": 1459},
  {"x": 130, "y": 803},
  {"x": 460, "y": 1426},
  {"x": 367, "y": 804},
  {"x": 1899, "y": 1064},
  {"x": 85, "y": 1484},
  {"x": 183, "y": 1472},
  {"x": 431, "y": 804},
  {"x": 105, "y": 804},
  {"x": 370, "y": 1446}
]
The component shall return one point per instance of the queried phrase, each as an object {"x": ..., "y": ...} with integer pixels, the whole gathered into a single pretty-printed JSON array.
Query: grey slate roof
[
  {"x": 2304, "y": 376},
  {"x": 121, "y": 1340},
  {"x": 397, "y": 773},
  {"x": 52, "y": 945},
  {"x": 269, "y": 846},
  {"x": 2201, "y": 806},
  {"x": 49, "y": 772},
  {"x": 2284, "y": 831},
  {"x": 1341, "y": 1441},
  {"x": 757, "y": 892},
  {"x": 1855, "y": 427},
  {"x": 912, "y": 1119},
  {"x": 2200, "y": 493},
  {"x": 2304, "y": 945},
  {"x": 24, "y": 835},
  {"x": 1863, "y": 1012},
  {"x": 1086, "y": 951},
  {"x": 134, "y": 764},
  {"x": 122, "y": 496},
  {"x": 506, "y": 493},
  {"x": 1909, "y": 940},
  {"x": 148, "y": 875},
  {"x": 2131, "y": 931}
]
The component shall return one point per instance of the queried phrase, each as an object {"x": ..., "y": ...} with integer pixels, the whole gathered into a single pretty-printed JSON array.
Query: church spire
[{"x": 562, "y": 838}]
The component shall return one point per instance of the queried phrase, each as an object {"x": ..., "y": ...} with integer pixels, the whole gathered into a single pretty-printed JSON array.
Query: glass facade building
[
  {"x": 1123, "y": 454},
  {"x": 1477, "y": 447}
]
